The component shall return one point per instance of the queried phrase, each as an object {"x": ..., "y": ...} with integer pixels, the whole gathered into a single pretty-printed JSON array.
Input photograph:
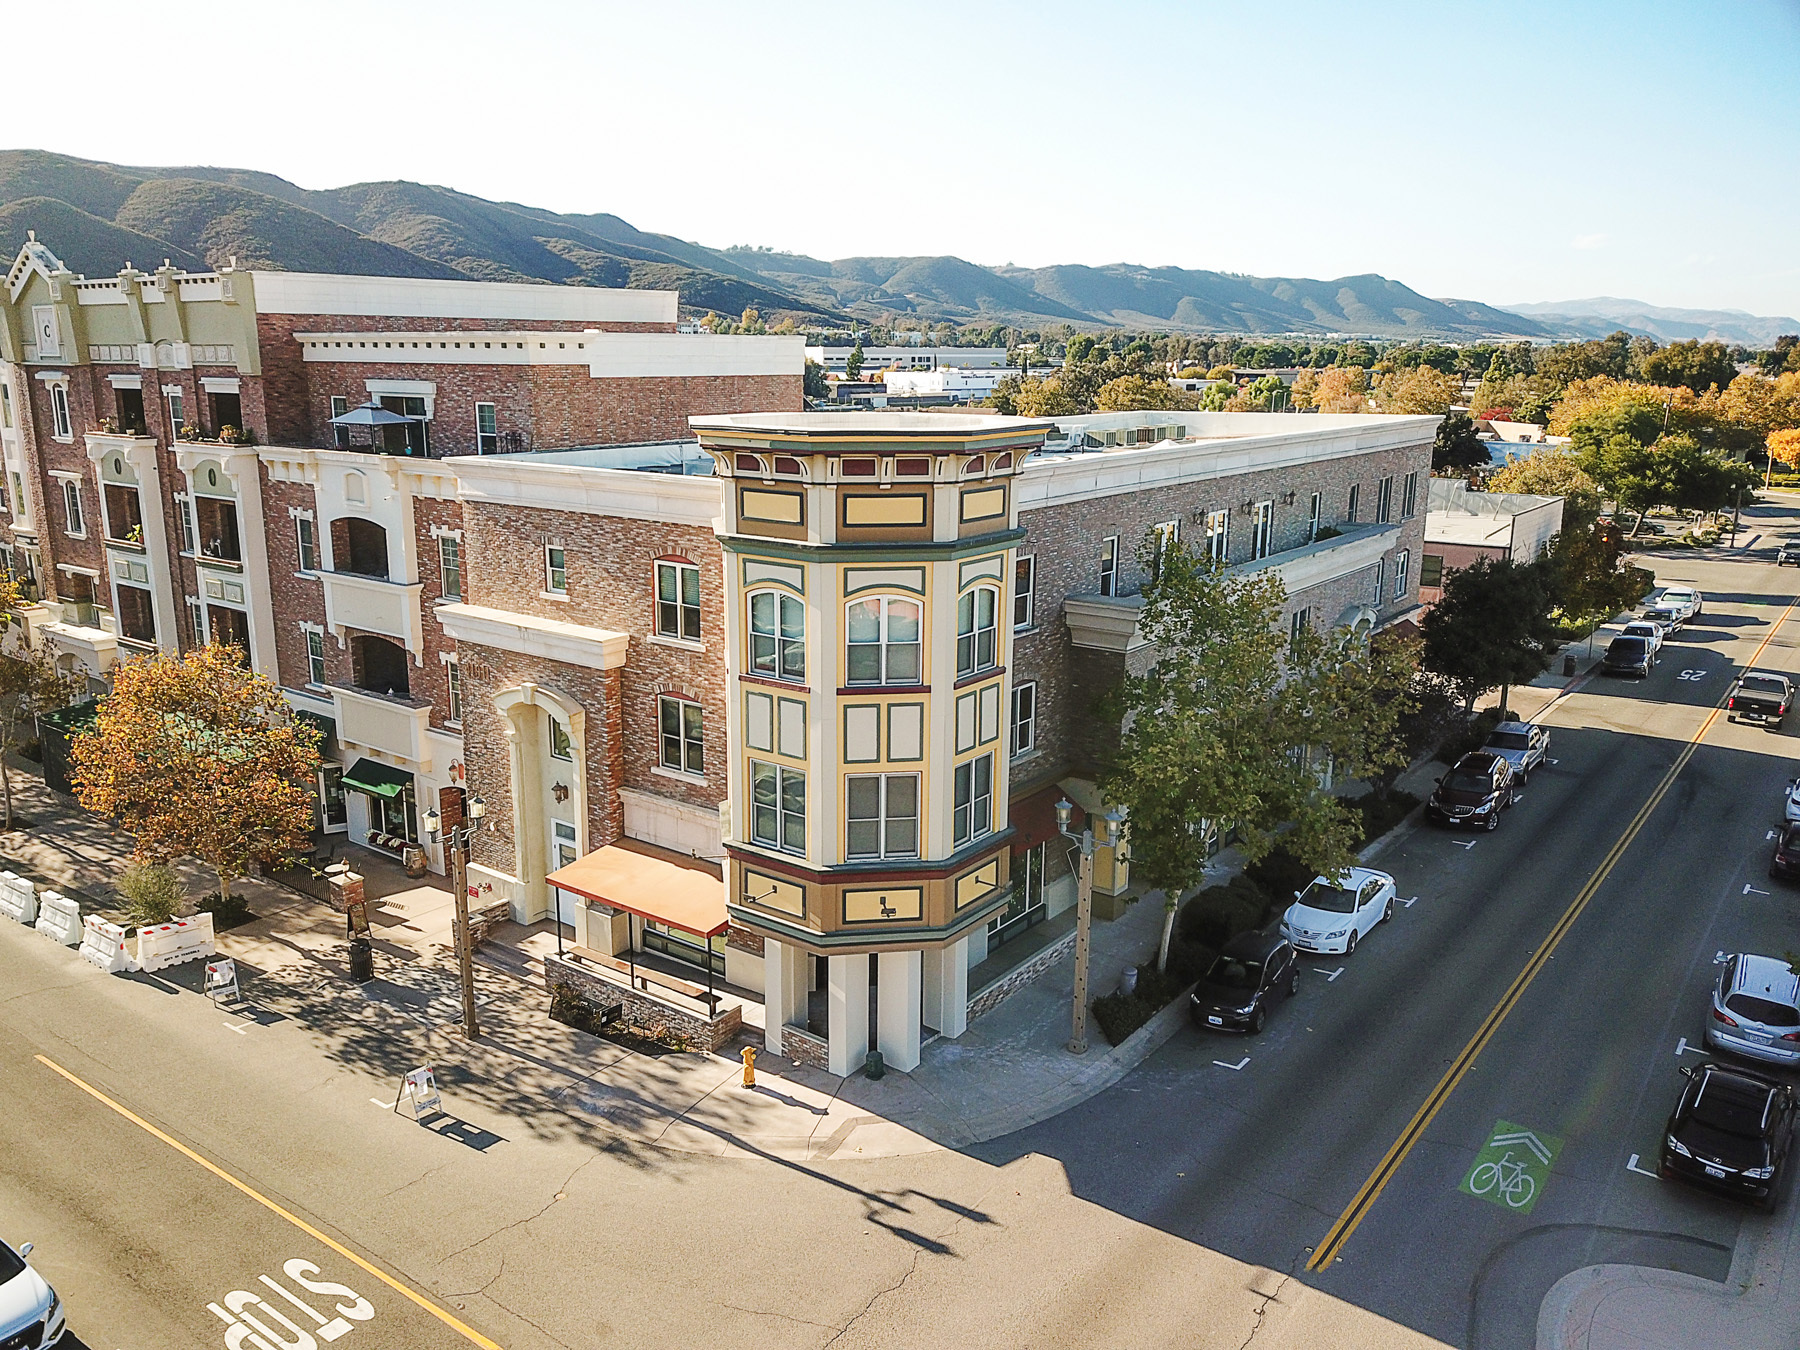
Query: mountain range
[
  {"x": 98, "y": 216},
  {"x": 1603, "y": 314}
]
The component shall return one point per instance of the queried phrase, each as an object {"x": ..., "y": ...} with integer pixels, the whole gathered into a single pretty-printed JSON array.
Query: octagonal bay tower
[{"x": 869, "y": 560}]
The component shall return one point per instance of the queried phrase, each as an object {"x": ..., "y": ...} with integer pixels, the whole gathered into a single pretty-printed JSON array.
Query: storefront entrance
[
  {"x": 685, "y": 947},
  {"x": 390, "y": 811}
]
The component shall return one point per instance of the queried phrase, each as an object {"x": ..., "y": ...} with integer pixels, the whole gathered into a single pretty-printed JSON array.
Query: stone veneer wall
[
  {"x": 645, "y": 1012},
  {"x": 806, "y": 1049},
  {"x": 986, "y": 1000}
]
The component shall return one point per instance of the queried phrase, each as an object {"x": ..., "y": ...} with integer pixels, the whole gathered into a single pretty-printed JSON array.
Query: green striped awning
[{"x": 378, "y": 780}]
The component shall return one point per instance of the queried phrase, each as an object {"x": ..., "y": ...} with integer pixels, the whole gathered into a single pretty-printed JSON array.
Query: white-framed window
[
  {"x": 1314, "y": 516},
  {"x": 1166, "y": 536},
  {"x": 175, "y": 404},
  {"x": 1024, "y": 584},
  {"x": 74, "y": 523},
  {"x": 453, "y": 692},
  {"x": 778, "y": 806},
  {"x": 60, "y": 426},
  {"x": 1384, "y": 501},
  {"x": 5, "y": 505},
  {"x": 1380, "y": 575},
  {"x": 1218, "y": 534},
  {"x": 1024, "y": 717},
  {"x": 881, "y": 816},
  {"x": 1353, "y": 504},
  {"x": 556, "y": 570},
  {"x": 1298, "y": 623},
  {"x": 1109, "y": 565},
  {"x": 561, "y": 747},
  {"x": 450, "y": 565},
  {"x": 1402, "y": 560},
  {"x": 315, "y": 656},
  {"x": 678, "y": 601},
  {"x": 340, "y": 436},
  {"x": 1263, "y": 531},
  {"x": 20, "y": 506},
  {"x": 778, "y": 636},
  {"x": 973, "y": 813},
  {"x": 307, "y": 543},
  {"x": 977, "y": 630},
  {"x": 487, "y": 430},
  {"x": 1409, "y": 496},
  {"x": 681, "y": 735},
  {"x": 197, "y": 620},
  {"x": 6, "y": 416},
  {"x": 881, "y": 641},
  {"x": 184, "y": 508}
]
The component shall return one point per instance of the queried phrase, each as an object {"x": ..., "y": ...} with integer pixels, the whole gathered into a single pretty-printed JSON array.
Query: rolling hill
[{"x": 1603, "y": 314}]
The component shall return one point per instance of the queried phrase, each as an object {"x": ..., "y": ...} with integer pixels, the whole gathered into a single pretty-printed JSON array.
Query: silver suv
[{"x": 1756, "y": 1010}]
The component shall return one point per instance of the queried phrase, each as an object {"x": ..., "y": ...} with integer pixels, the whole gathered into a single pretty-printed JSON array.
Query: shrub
[
  {"x": 1472, "y": 737},
  {"x": 568, "y": 1006},
  {"x": 228, "y": 911},
  {"x": 1381, "y": 814},
  {"x": 1280, "y": 874},
  {"x": 1220, "y": 913},
  {"x": 1118, "y": 1015},
  {"x": 152, "y": 894}
]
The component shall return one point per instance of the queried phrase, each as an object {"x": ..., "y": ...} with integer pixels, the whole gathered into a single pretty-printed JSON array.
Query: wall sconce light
[
  {"x": 1287, "y": 498},
  {"x": 560, "y": 791},
  {"x": 1247, "y": 508}
]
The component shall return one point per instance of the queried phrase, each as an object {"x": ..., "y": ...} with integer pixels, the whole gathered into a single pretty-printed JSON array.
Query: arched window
[
  {"x": 882, "y": 645},
  {"x": 778, "y": 636},
  {"x": 976, "y": 631}
]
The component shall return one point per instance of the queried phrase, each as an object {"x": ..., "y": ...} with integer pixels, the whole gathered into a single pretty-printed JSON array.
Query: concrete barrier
[
  {"x": 18, "y": 899},
  {"x": 103, "y": 945},
  {"x": 59, "y": 918},
  {"x": 169, "y": 944}
]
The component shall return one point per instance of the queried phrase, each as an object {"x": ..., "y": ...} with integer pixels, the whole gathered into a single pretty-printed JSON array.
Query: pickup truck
[
  {"x": 1760, "y": 697},
  {"x": 1674, "y": 607},
  {"x": 1787, "y": 553}
]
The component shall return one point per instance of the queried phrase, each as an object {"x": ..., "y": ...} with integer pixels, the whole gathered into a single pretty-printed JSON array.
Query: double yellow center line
[{"x": 1354, "y": 1213}]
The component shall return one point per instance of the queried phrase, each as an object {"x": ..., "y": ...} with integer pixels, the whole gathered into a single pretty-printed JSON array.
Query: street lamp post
[
  {"x": 1084, "y": 908},
  {"x": 456, "y": 852}
]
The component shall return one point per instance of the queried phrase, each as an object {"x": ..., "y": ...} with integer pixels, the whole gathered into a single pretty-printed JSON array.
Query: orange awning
[{"x": 653, "y": 883}]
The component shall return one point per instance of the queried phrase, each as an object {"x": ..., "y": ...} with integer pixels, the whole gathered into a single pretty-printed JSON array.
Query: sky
[{"x": 1508, "y": 152}]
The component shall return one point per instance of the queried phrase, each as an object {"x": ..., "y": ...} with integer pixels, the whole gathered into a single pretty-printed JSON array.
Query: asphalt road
[{"x": 1255, "y": 1146}]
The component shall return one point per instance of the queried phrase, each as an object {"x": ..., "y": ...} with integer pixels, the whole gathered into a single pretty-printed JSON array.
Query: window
[
  {"x": 882, "y": 642},
  {"x": 197, "y": 619},
  {"x": 340, "y": 435},
  {"x": 1313, "y": 514},
  {"x": 1409, "y": 496},
  {"x": 1431, "y": 569},
  {"x": 1350, "y": 507},
  {"x": 1298, "y": 623},
  {"x": 1218, "y": 535},
  {"x": 218, "y": 524},
  {"x": 315, "y": 656},
  {"x": 1024, "y": 579},
  {"x": 1264, "y": 531},
  {"x": 136, "y": 615},
  {"x": 778, "y": 806},
  {"x": 976, "y": 643},
  {"x": 59, "y": 413},
  {"x": 973, "y": 815},
  {"x": 453, "y": 684},
  {"x": 3, "y": 503},
  {"x": 308, "y": 543},
  {"x": 19, "y": 505},
  {"x": 678, "y": 601},
  {"x": 1109, "y": 564},
  {"x": 185, "y": 508},
  {"x": 1401, "y": 560},
  {"x": 1380, "y": 572},
  {"x": 5, "y": 405},
  {"x": 561, "y": 747},
  {"x": 450, "y": 565},
  {"x": 411, "y": 437},
  {"x": 173, "y": 400},
  {"x": 556, "y": 570},
  {"x": 487, "y": 430},
  {"x": 1167, "y": 535},
  {"x": 1384, "y": 501},
  {"x": 778, "y": 636},
  {"x": 683, "y": 739},
  {"x": 1024, "y": 718},
  {"x": 882, "y": 816},
  {"x": 74, "y": 525}
]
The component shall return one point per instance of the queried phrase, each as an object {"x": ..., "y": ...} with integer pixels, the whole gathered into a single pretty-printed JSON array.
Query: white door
[{"x": 562, "y": 853}]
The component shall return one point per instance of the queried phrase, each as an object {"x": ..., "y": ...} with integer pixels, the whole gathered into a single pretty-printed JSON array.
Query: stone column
[
  {"x": 947, "y": 988},
  {"x": 847, "y": 1013},
  {"x": 784, "y": 990},
  {"x": 897, "y": 1010}
]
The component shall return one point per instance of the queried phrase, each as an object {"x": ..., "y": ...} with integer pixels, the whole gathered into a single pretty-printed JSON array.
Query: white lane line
[
  {"x": 233, "y": 1026},
  {"x": 1720, "y": 957},
  {"x": 1553, "y": 761},
  {"x": 1330, "y": 975},
  {"x": 1772, "y": 834},
  {"x": 1240, "y": 1064},
  {"x": 1411, "y": 902},
  {"x": 1751, "y": 890},
  {"x": 1682, "y": 1047},
  {"x": 1465, "y": 844},
  {"x": 385, "y": 1106},
  {"x": 1632, "y": 1166}
]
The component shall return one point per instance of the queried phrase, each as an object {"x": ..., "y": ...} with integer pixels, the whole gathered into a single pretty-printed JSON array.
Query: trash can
[
  {"x": 362, "y": 960},
  {"x": 1568, "y": 663},
  {"x": 874, "y": 1066},
  {"x": 1128, "y": 981}
]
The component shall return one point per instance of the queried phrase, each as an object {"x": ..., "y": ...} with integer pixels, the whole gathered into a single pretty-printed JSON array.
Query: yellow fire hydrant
[{"x": 750, "y": 1066}]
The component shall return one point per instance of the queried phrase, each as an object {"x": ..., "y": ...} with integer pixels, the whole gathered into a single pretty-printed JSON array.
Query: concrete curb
[
  {"x": 1566, "y": 1316},
  {"x": 1408, "y": 823}
]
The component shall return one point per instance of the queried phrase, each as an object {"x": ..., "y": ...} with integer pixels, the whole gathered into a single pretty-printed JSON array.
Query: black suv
[
  {"x": 1475, "y": 792},
  {"x": 1628, "y": 656},
  {"x": 1235, "y": 992},
  {"x": 1785, "y": 864},
  {"x": 1730, "y": 1132}
]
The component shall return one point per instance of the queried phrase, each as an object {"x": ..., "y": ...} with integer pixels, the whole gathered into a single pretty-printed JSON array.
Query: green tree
[
  {"x": 1458, "y": 445},
  {"x": 1697, "y": 365},
  {"x": 1228, "y": 723},
  {"x": 1136, "y": 393},
  {"x": 1043, "y": 398},
  {"x": 816, "y": 385},
  {"x": 853, "y": 364},
  {"x": 1589, "y": 577},
  {"x": 1492, "y": 628}
]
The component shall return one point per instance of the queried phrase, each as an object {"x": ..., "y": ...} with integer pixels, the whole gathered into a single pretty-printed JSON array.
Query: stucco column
[
  {"x": 784, "y": 990},
  {"x": 847, "y": 1013},
  {"x": 897, "y": 1010},
  {"x": 947, "y": 988}
]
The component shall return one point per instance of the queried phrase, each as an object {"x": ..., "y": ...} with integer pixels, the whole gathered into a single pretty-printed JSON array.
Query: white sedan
[
  {"x": 1648, "y": 629},
  {"x": 1332, "y": 913},
  {"x": 30, "y": 1312},
  {"x": 1790, "y": 806}
]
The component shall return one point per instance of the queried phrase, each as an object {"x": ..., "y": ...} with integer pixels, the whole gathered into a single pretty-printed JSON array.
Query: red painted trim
[
  {"x": 860, "y": 690},
  {"x": 980, "y": 677},
  {"x": 767, "y": 683}
]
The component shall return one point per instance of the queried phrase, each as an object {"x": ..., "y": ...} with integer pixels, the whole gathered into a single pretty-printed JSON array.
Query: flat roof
[
  {"x": 901, "y": 425},
  {"x": 1465, "y": 527},
  {"x": 684, "y": 458}
]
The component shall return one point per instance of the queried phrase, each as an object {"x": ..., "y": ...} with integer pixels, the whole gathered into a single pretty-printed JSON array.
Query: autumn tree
[
  {"x": 30, "y": 684},
  {"x": 1137, "y": 393},
  {"x": 1228, "y": 723},
  {"x": 1044, "y": 398},
  {"x": 1422, "y": 389},
  {"x": 1342, "y": 389},
  {"x": 195, "y": 756},
  {"x": 1784, "y": 448}
]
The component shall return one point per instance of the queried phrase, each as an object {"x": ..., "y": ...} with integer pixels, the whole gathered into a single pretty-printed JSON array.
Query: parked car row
[
  {"x": 31, "y": 1315},
  {"x": 1639, "y": 644}
]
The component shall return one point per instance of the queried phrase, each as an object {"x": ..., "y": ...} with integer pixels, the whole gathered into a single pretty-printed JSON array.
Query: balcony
[
  {"x": 395, "y": 726},
  {"x": 373, "y": 605}
]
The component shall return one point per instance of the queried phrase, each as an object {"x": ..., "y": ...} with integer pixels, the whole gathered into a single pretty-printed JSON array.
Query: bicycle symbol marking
[
  {"x": 1514, "y": 1183},
  {"x": 1513, "y": 1167}
]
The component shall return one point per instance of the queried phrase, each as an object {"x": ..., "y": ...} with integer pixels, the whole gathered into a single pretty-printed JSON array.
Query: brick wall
[{"x": 295, "y": 599}]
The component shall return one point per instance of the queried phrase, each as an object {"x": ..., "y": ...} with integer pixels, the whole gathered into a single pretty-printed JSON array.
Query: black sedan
[
  {"x": 1480, "y": 786},
  {"x": 1785, "y": 865},
  {"x": 1628, "y": 656},
  {"x": 1235, "y": 993},
  {"x": 1730, "y": 1132}
]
